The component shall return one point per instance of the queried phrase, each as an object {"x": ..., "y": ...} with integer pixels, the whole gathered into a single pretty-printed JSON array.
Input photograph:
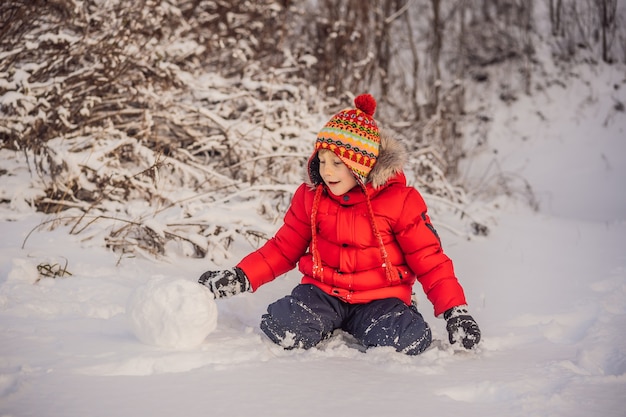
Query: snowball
[{"x": 172, "y": 313}]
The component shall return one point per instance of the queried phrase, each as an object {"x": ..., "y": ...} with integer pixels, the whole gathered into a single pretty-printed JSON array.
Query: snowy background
[{"x": 547, "y": 285}]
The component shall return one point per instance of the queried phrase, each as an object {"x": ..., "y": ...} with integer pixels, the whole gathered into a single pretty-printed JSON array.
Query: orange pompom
[{"x": 366, "y": 103}]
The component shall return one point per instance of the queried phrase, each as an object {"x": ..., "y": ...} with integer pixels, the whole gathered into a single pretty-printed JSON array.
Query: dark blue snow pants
[{"x": 309, "y": 315}]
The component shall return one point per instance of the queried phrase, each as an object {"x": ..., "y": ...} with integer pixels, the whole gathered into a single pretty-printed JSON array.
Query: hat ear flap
[{"x": 314, "y": 169}]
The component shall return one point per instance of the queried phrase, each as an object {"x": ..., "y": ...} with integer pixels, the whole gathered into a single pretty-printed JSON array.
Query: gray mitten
[
  {"x": 462, "y": 327},
  {"x": 226, "y": 283}
]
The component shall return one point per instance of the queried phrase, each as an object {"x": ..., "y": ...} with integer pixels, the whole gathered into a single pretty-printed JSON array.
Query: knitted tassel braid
[
  {"x": 318, "y": 269},
  {"x": 381, "y": 245}
]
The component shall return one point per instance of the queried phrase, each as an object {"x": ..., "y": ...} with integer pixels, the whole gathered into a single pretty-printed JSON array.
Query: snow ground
[{"x": 548, "y": 289}]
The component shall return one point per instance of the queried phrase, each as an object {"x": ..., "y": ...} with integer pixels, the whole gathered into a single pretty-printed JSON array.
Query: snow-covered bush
[
  {"x": 163, "y": 122},
  {"x": 149, "y": 118},
  {"x": 109, "y": 103}
]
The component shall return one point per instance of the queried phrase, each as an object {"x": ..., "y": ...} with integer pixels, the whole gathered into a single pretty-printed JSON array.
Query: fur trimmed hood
[{"x": 391, "y": 159}]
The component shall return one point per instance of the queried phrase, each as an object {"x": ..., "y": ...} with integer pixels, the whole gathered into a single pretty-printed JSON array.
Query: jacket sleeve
[
  {"x": 282, "y": 252},
  {"x": 422, "y": 249}
]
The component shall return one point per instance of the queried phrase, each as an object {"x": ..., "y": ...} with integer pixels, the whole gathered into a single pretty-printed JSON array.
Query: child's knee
[
  {"x": 416, "y": 342},
  {"x": 291, "y": 324},
  {"x": 404, "y": 330}
]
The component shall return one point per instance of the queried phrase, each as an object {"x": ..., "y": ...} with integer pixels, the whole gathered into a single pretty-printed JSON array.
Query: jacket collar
[{"x": 358, "y": 194}]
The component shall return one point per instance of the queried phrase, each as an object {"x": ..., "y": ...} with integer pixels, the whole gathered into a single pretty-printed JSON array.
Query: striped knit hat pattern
[{"x": 352, "y": 134}]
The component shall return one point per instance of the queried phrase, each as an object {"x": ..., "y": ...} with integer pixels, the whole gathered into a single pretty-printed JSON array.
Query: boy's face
[{"x": 336, "y": 175}]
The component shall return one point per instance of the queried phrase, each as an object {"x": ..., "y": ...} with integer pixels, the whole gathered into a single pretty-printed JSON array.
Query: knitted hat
[{"x": 352, "y": 134}]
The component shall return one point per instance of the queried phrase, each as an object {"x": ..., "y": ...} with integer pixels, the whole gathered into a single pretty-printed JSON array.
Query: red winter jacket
[{"x": 351, "y": 257}]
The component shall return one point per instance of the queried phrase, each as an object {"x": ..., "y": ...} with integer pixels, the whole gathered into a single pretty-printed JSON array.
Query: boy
[{"x": 361, "y": 238}]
